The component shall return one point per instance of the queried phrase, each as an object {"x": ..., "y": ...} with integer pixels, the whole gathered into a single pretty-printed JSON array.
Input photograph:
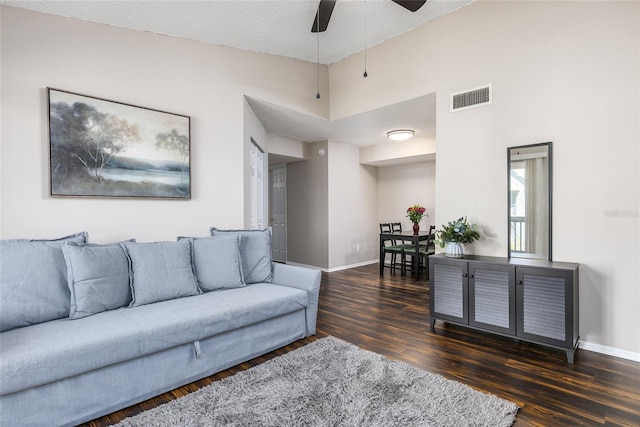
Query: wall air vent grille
[{"x": 476, "y": 97}]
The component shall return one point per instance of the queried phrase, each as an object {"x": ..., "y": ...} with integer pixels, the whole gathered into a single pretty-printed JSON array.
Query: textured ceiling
[{"x": 278, "y": 27}]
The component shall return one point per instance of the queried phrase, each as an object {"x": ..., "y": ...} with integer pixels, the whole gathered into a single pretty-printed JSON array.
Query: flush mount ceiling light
[{"x": 400, "y": 134}]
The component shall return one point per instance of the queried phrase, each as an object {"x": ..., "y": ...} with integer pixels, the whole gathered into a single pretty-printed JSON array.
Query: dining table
[{"x": 408, "y": 237}]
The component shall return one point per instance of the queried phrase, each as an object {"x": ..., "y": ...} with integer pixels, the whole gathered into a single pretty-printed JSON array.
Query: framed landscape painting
[{"x": 104, "y": 148}]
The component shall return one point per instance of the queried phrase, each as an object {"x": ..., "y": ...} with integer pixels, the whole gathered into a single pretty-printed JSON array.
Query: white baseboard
[
  {"x": 331, "y": 270},
  {"x": 313, "y": 267},
  {"x": 346, "y": 267},
  {"x": 610, "y": 351}
]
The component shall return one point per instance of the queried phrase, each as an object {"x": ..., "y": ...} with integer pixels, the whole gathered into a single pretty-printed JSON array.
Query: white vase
[{"x": 454, "y": 250}]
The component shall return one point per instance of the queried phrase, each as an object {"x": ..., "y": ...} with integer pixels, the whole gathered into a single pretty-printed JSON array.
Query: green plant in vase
[{"x": 454, "y": 234}]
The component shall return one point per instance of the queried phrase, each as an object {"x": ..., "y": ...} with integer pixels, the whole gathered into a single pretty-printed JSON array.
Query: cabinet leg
[
  {"x": 432, "y": 323},
  {"x": 570, "y": 355}
]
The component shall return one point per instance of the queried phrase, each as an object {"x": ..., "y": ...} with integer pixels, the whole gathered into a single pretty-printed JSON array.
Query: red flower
[{"x": 415, "y": 213}]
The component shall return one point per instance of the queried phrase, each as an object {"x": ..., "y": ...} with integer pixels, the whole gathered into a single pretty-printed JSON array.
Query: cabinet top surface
[{"x": 518, "y": 262}]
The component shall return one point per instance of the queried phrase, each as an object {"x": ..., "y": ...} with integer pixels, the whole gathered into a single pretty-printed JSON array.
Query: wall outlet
[{"x": 357, "y": 248}]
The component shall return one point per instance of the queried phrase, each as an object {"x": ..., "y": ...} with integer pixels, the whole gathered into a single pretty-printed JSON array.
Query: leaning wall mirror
[{"x": 529, "y": 195}]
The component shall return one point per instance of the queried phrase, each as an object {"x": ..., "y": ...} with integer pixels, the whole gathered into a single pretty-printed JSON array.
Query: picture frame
[{"x": 103, "y": 148}]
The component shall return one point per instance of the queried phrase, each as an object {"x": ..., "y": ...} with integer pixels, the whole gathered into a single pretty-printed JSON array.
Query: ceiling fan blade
[
  {"x": 325, "y": 8},
  {"x": 412, "y": 5}
]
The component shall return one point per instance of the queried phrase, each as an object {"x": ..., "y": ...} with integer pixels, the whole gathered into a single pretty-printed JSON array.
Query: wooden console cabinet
[{"x": 529, "y": 300}]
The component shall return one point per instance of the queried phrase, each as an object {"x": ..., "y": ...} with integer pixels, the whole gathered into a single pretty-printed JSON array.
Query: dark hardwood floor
[{"x": 388, "y": 315}]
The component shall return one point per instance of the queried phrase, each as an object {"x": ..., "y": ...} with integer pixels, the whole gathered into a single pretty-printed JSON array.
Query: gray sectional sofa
[{"x": 86, "y": 329}]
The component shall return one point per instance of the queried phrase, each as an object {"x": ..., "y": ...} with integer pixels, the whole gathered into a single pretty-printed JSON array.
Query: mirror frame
[{"x": 549, "y": 146}]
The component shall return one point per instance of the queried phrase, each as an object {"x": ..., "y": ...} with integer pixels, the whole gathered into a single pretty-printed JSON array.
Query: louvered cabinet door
[
  {"x": 492, "y": 297},
  {"x": 545, "y": 306},
  {"x": 449, "y": 290}
]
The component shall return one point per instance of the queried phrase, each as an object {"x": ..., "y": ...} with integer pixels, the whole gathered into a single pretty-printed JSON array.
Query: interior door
[{"x": 278, "y": 199}]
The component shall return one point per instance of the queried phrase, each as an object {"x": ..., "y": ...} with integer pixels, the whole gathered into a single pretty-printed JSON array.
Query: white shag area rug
[{"x": 332, "y": 383}]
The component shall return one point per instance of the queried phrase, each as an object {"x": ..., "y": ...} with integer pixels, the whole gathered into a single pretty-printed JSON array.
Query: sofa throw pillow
[
  {"x": 33, "y": 281},
  {"x": 98, "y": 278},
  {"x": 255, "y": 252},
  {"x": 160, "y": 271},
  {"x": 217, "y": 262}
]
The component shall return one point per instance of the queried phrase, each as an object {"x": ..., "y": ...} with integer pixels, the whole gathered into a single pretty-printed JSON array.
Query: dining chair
[
  {"x": 405, "y": 245},
  {"x": 424, "y": 252},
  {"x": 429, "y": 249},
  {"x": 391, "y": 247}
]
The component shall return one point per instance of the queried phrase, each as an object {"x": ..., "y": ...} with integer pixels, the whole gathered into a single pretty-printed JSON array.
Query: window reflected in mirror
[{"x": 530, "y": 201}]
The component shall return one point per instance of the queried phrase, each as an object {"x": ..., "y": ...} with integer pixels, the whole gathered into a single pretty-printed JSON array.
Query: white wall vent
[{"x": 471, "y": 98}]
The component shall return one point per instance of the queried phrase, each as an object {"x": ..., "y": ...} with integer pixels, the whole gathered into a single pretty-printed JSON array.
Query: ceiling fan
[{"x": 325, "y": 8}]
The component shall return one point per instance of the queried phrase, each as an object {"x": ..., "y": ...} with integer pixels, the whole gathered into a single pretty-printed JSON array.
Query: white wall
[
  {"x": 401, "y": 186},
  {"x": 567, "y": 72},
  {"x": 203, "y": 81},
  {"x": 418, "y": 149},
  {"x": 287, "y": 147},
  {"x": 353, "y": 201}
]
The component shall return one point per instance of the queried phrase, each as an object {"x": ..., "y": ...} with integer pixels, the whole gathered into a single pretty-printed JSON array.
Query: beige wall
[
  {"x": 567, "y": 72},
  {"x": 401, "y": 186},
  {"x": 331, "y": 206},
  {"x": 353, "y": 201},
  {"x": 203, "y": 81},
  {"x": 308, "y": 208}
]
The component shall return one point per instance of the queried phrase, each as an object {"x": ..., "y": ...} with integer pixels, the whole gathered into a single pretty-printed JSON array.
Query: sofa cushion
[
  {"x": 255, "y": 251},
  {"x": 33, "y": 281},
  {"x": 217, "y": 262},
  {"x": 98, "y": 277},
  {"x": 59, "y": 349},
  {"x": 161, "y": 271}
]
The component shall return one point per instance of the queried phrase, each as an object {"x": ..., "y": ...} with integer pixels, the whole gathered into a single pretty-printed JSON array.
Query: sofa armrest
[{"x": 302, "y": 278}]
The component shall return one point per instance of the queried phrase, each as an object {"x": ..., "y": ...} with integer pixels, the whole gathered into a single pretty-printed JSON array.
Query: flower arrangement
[
  {"x": 458, "y": 231},
  {"x": 415, "y": 213}
]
